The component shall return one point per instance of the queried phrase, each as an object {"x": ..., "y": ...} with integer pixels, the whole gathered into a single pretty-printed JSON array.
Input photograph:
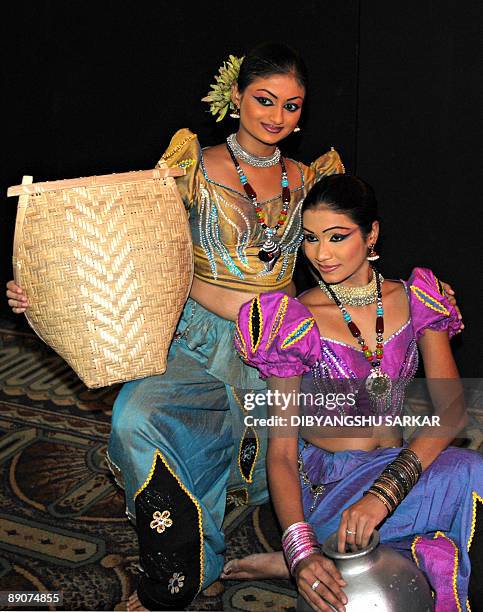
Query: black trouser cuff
[{"x": 149, "y": 594}]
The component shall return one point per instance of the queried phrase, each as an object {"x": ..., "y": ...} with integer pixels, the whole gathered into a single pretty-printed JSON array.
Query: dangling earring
[
  {"x": 235, "y": 114},
  {"x": 373, "y": 256},
  {"x": 297, "y": 129}
]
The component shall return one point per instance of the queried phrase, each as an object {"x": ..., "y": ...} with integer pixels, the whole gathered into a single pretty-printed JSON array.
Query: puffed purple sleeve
[
  {"x": 278, "y": 335},
  {"x": 430, "y": 307}
]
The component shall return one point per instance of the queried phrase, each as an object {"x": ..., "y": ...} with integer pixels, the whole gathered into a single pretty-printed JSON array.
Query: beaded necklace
[
  {"x": 270, "y": 250},
  {"x": 378, "y": 383}
]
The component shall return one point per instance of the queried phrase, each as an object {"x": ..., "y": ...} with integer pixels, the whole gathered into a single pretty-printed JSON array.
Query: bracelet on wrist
[
  {"x": 382, "y": 490},
  {"x": 397, "y": 479},
  {"x": 381, "y": 499},
  {"x": 298, "y": 543}
]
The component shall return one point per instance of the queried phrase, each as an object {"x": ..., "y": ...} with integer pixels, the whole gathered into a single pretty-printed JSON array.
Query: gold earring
[
  {"x": 235, "y": 114},
  {"x": 372, "y": 256}
]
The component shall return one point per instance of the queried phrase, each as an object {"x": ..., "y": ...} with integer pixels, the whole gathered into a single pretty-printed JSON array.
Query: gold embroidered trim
[
  {"x": 242, "y": 347},
  {"x": 455, "y": 570},
  {"x": 248, "y": 479},
  {"x": 278, "y": 320},
  {"x": 476, "y": 498},
  {"x": 439, "y": 285},
  {"x": 178, "y": 147},
  {"x": 250, "y": 475},
  {"x": 430, "y": 302},
  {"x": 238, "y": 401},
  {"x": 255, "y": 302},
  {"x": 298, "y": 333},
  {"x": 157, "y": 454},
  {"x": 413, "y": 549}
]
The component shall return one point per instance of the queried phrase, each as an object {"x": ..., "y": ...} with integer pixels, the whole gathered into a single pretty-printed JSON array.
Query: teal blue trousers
[{"x": 178, "y": 445}]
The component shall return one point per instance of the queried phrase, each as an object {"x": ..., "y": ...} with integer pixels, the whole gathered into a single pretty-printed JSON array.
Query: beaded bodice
[
  {"x": 226, "y": 235},
  {"x": 342, "y": 368},
  {"x": 278, "y": 335}
]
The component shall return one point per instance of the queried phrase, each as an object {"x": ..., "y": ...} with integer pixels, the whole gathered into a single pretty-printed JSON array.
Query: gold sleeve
[
  {"x": 184, "y": 151},
  {"x": 329, "y": 163}
]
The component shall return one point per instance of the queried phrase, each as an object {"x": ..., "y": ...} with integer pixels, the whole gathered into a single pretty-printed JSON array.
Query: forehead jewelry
[
  {"x": 270, "y": 250},
  {"x": 378, "y": 383},
  {"x": 257, "y": 161}
]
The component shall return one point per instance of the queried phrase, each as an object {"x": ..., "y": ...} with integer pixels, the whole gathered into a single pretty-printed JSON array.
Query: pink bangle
[{"x": 298, "y": 542}]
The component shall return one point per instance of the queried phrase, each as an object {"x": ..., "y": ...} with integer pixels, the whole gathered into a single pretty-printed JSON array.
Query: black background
[{"x": 100, "y": 87}]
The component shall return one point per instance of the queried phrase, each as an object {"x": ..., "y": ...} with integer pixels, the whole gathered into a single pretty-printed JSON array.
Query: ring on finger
[
  {"x": 349, "y": 532},
  {"x": 315, "y": 584}
]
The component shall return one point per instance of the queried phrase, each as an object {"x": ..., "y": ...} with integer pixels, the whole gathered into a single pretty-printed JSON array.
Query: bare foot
[
  {"x": 262, "y": 565},
  {"x": 134, "y": 605}
]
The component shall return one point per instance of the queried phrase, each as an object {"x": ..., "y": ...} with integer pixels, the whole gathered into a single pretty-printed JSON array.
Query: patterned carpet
[{"x": 62, "y": 521}]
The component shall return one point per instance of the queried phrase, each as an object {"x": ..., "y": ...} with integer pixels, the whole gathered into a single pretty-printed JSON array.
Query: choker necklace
[
  {"x": 378, "y": 383},
  {"x": 252, "y": 160},
  {"x": 354, "y": 296},
  {"x": 270, "y": 251}
]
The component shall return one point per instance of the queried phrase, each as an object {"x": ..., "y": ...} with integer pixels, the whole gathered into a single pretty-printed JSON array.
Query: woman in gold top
[{"x": 178, "y": 442}]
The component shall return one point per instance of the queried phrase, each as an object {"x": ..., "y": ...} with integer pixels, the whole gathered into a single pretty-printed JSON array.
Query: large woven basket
[{"x": 106, "y": 263}]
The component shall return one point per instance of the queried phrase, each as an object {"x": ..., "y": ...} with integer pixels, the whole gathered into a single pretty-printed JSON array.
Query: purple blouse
[{"x": 278, "y": 335}]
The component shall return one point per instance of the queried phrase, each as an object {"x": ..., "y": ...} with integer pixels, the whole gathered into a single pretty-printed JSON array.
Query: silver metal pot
[{"x": 378, "y": 578}]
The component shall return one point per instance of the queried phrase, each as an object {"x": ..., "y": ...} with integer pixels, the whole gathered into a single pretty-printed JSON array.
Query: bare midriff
[
  {"x": 349, "y": 438},
  {"x": 226, "y": 303},
  {"x": 222, "y": 301}
]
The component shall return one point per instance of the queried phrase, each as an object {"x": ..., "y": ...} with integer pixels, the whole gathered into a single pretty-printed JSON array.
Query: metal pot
[{"x": 378, "y": 578}]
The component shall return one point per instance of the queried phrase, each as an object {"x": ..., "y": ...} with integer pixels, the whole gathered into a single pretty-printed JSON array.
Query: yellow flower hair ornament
[{"x": 219, "y": 98}]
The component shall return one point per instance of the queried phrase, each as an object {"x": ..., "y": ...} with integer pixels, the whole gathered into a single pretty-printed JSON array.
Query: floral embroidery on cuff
[
  {"x": 176, "y": 583},
  {"x": 161, "y": 521}
]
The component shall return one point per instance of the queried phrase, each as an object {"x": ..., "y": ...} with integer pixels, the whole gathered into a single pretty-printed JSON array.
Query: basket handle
[
  {"x": 21, "y": 208},
  {"x": 23, "y": 202},
  {"x": 94, "y": 181}
]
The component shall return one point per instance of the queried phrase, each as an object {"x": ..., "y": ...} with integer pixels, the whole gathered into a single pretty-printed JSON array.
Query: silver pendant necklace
[
  {"x": 378, "y": 383},
  {"x": 257, "y": 161},
  {"x": 270, "y": 250}
]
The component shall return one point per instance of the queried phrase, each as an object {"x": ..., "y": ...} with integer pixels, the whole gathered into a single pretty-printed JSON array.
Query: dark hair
[
  {"x": 268, "y": 59},
  {"x": 343, "y": 193}
]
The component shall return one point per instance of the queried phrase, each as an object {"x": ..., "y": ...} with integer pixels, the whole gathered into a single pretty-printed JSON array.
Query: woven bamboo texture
[{"x": 106, "y": 263}]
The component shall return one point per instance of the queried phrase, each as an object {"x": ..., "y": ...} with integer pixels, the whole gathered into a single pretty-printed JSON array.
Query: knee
[
  {"x": 131, "y": 411},
  {"x": 463, "y": 461}
]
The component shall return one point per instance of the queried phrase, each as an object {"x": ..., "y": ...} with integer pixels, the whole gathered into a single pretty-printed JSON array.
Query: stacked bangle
[
  {"x": 380, "y": 497},
  {"x": 299, "y": 542},
  {"x": 397, "y": 479}
]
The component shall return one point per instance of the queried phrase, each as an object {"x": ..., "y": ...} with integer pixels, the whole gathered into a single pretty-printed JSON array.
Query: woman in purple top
[{"x": 342, "y": 355}]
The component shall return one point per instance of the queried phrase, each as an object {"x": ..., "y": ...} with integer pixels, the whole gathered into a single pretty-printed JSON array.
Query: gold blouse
[{"x": 226, "y": 235}]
